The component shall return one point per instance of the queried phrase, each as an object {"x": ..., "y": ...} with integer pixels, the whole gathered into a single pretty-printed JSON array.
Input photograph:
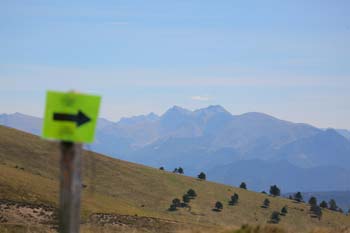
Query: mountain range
[{"x": 253, "y": 147}]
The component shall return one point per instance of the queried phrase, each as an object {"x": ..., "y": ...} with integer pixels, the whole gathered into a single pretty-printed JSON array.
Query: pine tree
[
  {"x": 180, "y": 170},
  {"x": 161, "y": 168},
  {"x": 266, "y": 203},
  {"x": 324, "y": 204},
  {"x": 176, "y": 202},
  {"x": 243, "y": 185},
  {"x": 218, "y": 206},
  {"x": 284, "y": 210},
  {"x": 313, "y": 201},
  {"x": 316, "y": 210},
  {"x": 172, "y": 207},
  {"x": 191, "y": 193},
  {"x": 202, "y": 176},
  {"x": 186, "y": 199},
  {"x": 298, "y": 197},
  {"x": 275, "y": 217},
  {"x": 275, "y": 191},
  {"x": 333, "y": 205},
  {"x": 234, "y": 199}
]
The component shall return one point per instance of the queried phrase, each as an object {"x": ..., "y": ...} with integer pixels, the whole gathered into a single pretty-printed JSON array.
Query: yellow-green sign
[{"x": 70, "y": 116}]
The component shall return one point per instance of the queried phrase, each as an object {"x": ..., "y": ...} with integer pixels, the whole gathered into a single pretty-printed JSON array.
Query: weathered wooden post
[
  {"x": 70, "y": 187},
  {"x": 71, "y": 118}
]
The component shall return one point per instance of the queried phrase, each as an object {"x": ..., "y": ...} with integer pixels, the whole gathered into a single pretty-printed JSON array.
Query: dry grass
[{"x": 119, "y": 187}]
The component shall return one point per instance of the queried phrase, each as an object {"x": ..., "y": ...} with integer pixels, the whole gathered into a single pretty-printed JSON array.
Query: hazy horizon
[{"x": 163, "y": 112}]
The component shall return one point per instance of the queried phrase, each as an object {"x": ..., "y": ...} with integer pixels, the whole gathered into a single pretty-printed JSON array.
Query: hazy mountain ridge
[{"x": 212, "y": 138}]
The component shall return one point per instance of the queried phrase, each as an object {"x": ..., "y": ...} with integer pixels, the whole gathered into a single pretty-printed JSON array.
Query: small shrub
[
  {"x": 191, "y": 193},
  {"x": 186, "y": 198},
  {"x": 312, "y": 201},
  {"x": 243, "y": 185},
  {"x": 172, "y": 207},
  {"x": 324, "y": 204},
  {"x": 316, "y": 211},
  {"x": 266, "y": 203},
  {"x": 275, "y": 217},
  {"x": 333, "y": 205},
  {"x": 218, "y": 206},
  {"x": 284, "y": 211},
  {"x": 202, "y": 176},
  {"x": 275, "y": 191},
  {"x": 298, "y": 197},
  {"x": 234, "y": 199}
]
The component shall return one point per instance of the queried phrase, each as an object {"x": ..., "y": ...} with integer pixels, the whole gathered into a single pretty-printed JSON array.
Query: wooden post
[{"x": 70, "y": 187}]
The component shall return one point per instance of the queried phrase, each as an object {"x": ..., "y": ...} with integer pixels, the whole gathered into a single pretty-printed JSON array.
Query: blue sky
[{"x": 290, "y": 59}]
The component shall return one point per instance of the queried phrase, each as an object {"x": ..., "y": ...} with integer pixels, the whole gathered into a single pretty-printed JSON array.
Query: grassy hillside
[{"x": 29, "y": 173}]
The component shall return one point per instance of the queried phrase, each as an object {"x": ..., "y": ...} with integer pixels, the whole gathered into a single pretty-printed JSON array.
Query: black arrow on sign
[{"x": 79, "y": 118}]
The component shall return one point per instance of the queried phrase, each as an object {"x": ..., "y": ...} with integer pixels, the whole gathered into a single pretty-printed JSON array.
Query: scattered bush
[
  {"x": 202, "y": 176},
  {"x": 275, "y": 217},
  {"x": 172, "y": 207},
  {"x": 284, "y": 211},
  {"x": 179, "y": 170},
  {"x": 275, "y": 191},
  {"x": 218, "y": 206},
  {"x": 234, "y": 199},
  {"x": 266, "y": 203},
  {"x": 191, "y": 193},
  {"x": 324, "y": 204},
  {"x": 333, "y": 205},
  {"x": 313, "y": 201},
  {"x": 298, "y": 197},
  {"x": 175, "y": 204},
  {"x": 243, "y": 185},
  {"x": 316, "y": 211},
  {"x": 186, "y": 199}
]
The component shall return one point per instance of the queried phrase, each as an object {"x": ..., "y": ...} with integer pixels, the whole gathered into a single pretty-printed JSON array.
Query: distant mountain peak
[
  {"x": 177, "y": 109},
  {"x": 137, "y": 119},
  {"x": 214, "y": 109}
]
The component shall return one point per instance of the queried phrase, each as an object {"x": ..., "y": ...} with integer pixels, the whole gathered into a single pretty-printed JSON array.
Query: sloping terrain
[
  {"x": 112, "y": 188},
  {"x": 210, "y": 139}
]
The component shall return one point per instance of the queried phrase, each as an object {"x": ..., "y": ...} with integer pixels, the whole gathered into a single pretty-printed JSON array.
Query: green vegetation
[
  {"x": 275, "y": 217},
  {"x": 202, "y": 176},
  {"x": 243, "y": 185},
  {"x": 313, "y": 201},
  {"x": 266, "y": 203},
  {"x": 316, "y": 211},
  {"x": 191, "y": 193},
  {"x": 29, "y": 173},
  {"x": 179, "y": 170},
  {"x": 234, "y": 199},
  {"x": 275, "y": 191},
  {"x": 298, "y": 197},
  {"x": 284, "y": 211},
  {"x": 324, "y": 204},
  {"x": 333, "y": 205},
  {"x": 218, "y": 206}
]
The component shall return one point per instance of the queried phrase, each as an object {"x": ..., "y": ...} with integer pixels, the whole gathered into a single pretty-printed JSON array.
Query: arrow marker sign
[
  {"x": 70, "y": 116},
  {"x": 79, "y": 118}
]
